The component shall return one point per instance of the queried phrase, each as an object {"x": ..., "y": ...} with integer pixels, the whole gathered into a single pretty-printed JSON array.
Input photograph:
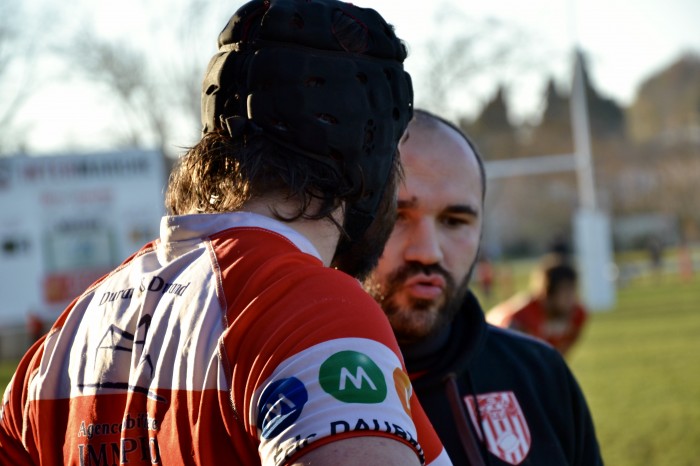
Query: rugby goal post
[{"x": 591, "y": 226}]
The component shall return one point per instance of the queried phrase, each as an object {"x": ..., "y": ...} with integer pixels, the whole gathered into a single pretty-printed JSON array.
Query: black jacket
[{"x": 532, "y": 409}]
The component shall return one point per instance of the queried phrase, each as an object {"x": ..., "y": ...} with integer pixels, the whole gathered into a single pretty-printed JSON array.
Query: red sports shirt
[
  {"x": 226, "y": 341},
  {"x": 528, "y": 315}
]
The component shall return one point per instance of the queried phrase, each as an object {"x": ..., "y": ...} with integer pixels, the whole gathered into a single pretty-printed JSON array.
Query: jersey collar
[{"x": 197, "y": 226}]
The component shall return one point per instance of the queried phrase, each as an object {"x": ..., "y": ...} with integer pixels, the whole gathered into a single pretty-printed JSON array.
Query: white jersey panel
[{"x": 143, "y": 328}]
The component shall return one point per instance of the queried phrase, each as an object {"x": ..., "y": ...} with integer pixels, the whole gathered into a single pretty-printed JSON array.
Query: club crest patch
[{"x": 501, "y": 422}]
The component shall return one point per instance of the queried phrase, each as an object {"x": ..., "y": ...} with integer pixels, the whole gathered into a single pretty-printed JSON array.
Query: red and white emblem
[{"x": 503, "y": 425}]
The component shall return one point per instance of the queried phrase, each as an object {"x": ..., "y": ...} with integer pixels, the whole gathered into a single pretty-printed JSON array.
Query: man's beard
[{"x": 418, "y": 319}]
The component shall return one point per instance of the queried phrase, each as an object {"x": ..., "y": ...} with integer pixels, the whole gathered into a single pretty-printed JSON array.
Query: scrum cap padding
[
  {"x": 331, "y": 112},
  {"x": 323, "y": 78}
]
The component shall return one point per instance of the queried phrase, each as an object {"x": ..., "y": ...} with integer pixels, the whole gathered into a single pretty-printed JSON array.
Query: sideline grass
[
  {"x": 638, "y": 366},
  {"x": 7, "y": 368}
]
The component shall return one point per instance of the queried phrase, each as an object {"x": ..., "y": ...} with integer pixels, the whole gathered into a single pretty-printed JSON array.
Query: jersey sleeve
[
  {"x": 326, "y": 366},
  {"x": 528, "y": 319},
  {"x": 339, "y": 388}
]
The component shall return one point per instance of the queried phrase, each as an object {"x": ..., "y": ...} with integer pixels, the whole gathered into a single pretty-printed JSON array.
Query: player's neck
[{"x": 323, "y": 234}]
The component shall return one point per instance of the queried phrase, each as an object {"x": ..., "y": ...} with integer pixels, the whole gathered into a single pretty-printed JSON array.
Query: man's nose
[{"x": 423, "y": 244}]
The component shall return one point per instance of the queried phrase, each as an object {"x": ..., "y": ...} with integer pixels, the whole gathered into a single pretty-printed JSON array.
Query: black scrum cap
[{"x": 321, "y": 77}]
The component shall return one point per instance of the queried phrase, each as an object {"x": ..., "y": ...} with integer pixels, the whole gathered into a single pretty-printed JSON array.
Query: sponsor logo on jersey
[
  {"x": 280, "y": 405},
  {"x": 352, "y": 377},
  {"x": 403, "y": 388},
  {"x": 159, "y": 284},
  {"x": 115, "y": 351},
  {"x": 502, "y": 424}
]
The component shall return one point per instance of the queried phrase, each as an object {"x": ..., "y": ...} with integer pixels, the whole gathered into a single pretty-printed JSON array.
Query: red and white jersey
[
  {"x": 528, "y": 314},
  {"x": 226, "y": 341}
]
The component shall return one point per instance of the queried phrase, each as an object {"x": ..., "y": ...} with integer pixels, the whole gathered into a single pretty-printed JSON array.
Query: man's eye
[{"x": 455, "y": 221}]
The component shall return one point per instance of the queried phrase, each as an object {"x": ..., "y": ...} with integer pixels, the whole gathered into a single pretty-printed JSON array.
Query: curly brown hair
[{"x": 552, "y": 273}]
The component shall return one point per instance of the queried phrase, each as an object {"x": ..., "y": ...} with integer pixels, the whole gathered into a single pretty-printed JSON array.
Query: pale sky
[{"x": 625, "y": 40}]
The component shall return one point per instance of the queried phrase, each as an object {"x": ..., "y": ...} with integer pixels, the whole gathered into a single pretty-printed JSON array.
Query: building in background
[{"x": 65, "y": 221}]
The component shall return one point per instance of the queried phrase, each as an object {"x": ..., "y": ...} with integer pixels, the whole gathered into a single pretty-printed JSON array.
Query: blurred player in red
[{"x": 551, "y": 311}]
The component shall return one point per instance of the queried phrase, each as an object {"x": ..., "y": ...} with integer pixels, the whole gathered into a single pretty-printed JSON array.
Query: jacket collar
[{"x": 437, "y": 357}]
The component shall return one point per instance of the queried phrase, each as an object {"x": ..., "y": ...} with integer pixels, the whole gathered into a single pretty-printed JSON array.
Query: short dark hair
[
  {"x": 422, "y": 116},
  {"x": 551, "y": 274}
]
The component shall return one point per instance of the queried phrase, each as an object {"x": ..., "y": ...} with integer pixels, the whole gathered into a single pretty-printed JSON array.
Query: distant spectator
[
  {"x": 550, "y": 311},
  {"x": 655, "y": 249},
  {"x": 685, "y": 261}
]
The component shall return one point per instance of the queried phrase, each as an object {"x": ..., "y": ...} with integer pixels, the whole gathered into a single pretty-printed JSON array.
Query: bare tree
[
  {"x": 157, "y": 93},
  {"x": 466, "y": 55},
  {"x": 14, "y": 71},
  {"x": 123, "y": 72}
]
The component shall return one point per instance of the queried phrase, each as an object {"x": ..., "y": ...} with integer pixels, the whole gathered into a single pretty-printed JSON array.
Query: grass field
[
  {"x": 639, "y": 366},
  {"x": 640, "y": 369},
  {"x": 6, "y": 370}
]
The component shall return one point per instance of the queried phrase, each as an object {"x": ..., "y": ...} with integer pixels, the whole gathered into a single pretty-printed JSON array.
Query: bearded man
[{"x": 494, "y": 396}]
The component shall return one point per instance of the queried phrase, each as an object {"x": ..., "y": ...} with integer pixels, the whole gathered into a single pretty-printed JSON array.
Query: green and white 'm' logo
[{"x": 353, "y": 377}]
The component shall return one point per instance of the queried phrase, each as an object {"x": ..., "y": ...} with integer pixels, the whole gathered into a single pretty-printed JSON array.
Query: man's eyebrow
[{"x": 461, "y": 209}]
